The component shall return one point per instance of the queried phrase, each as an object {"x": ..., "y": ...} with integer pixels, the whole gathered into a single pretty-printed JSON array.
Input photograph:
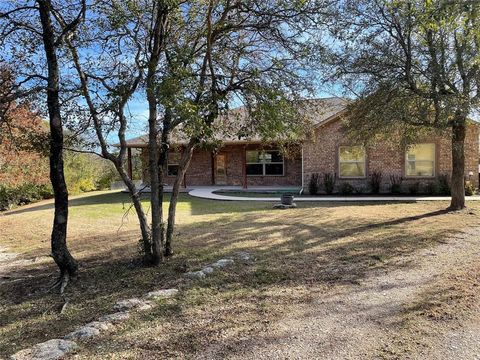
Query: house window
[
  {"x": 420, "y": 160},
  {"x": 173, "y": 164},
  {"x": 352, "y": 161},
  {"x": 264, "y": 163}
]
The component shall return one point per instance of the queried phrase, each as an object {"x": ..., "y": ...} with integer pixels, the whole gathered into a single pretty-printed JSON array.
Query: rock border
[
  {"x": 58, "y": 348},
  {"x": 244, "y": 256}
]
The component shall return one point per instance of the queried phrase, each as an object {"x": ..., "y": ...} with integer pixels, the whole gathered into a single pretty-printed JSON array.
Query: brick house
[{"x": 247, "y": 162}]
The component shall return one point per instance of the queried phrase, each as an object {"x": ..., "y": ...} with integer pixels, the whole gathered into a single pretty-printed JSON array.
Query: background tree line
[{"x": 24, "y": 171}]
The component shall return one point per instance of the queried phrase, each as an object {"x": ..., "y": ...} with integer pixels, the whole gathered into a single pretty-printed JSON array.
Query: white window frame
[
  {"x": 264, "y": 163},
  {"x": 434, "y": 163},
  {"x": 340, "y": 162}
]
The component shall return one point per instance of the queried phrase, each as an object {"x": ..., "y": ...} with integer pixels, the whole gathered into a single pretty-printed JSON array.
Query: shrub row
[
  {"x": 23, "y": 194},
  {"x": 440, "y": 186},
  {"x": 328, "y": 183}
]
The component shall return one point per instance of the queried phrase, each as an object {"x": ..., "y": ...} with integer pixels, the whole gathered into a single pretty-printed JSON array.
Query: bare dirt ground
[{"x": 368, "y": 320}]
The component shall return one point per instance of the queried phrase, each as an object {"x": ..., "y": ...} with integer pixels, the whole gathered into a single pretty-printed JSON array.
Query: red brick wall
[
  {"x": 292, "y": 168},
  {"x": 200, "y": 171},
  {"x": 321, "y": 156}
]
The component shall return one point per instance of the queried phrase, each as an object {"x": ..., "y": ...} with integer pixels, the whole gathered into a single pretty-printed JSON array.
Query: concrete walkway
[{"x": 208, "y": 193}]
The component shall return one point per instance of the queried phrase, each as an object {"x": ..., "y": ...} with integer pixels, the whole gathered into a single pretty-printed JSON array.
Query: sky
[{"x": 138, "y": 109}]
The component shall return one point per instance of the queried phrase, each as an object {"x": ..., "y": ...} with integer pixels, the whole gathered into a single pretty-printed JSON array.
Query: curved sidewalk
[{"x": 208, "y": 193}]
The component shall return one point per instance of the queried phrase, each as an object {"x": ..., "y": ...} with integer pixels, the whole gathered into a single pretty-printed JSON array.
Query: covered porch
[{"x": 241, "y": 164}]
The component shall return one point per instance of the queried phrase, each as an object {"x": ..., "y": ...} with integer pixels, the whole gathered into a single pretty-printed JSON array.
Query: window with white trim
[
  {"x": 264, "y": 163},
  {"x": 173, "y": 164},
  {"x": 420, "y": 160},
  {"x": 352, "y": 161}
]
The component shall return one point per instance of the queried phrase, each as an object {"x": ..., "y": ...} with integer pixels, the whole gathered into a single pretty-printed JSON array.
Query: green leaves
[{"x": 412, "y": 64}]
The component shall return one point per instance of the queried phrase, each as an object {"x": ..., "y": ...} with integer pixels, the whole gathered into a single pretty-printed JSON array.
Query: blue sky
[{"x": 138, "y": 109}]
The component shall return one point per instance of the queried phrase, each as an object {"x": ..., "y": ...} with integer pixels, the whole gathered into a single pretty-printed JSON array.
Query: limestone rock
[
  {"x": 115, "y": 318},
  {"x": 243, "y": 255},
  {"x": 284, "y": 207},
  {"x": 207, "y": 270},
  {"x": 222, "y": 263},
  {"x": 134, "y": 303},
  {"x": 100, "y": 325},
  {"x": 84, "y": 332},
  {"x": 195, "y": 274},
  {"x": 49, "y": 350},
  {"x": 163, "y": 293}
]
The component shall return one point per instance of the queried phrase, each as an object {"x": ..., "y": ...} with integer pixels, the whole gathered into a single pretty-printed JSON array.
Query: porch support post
[
  {"x": 302, "y": 171},
  {"x": 129, "y": 163},
  {"x": 213, "y": 167},
  {"x": 184, "y": 175},
  {"x": 244, "y": 167}
]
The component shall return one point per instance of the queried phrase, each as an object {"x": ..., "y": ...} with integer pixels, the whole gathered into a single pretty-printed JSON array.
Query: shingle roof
[{"x": 318, "y": 111}]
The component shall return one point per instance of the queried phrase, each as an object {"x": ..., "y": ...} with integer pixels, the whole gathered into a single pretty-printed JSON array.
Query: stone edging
[{"x": 57, "y": 348}]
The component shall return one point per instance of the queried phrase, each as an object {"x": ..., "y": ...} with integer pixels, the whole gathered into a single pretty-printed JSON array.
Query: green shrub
[
  {"x": 45, "y": 191},
  {"x": 359, "y": 190},
  {"x": 414, "y": 188},
  {"x": 313, "y": 184},
  {"x": 347, "y": 189},
  {"x": 470, "y": 189},
  {"x": 106, "y": 178},
  {"x": 431, "y": 188},
  {"x": 396, "y": 184},
  {"x": 23, "y": 194},
  {"x": 443, "y": 185},
  {"x": 87, "y": 172},
  {"x": 375, "y": 181},
  {"x": 329, "y": 183},
  {"x": 4, "y": 197}
]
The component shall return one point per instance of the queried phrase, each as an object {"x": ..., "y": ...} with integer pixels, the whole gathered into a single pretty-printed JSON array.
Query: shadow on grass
[
  {"x": 297, "y": 248},
  {"x": 197, "y": 206}
]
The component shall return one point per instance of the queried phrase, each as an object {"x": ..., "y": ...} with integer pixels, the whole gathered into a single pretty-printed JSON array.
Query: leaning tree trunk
[
  {"x": 458, "y": 164},
  {"x": 117, "y": 161},
  {"x": 142, "y": 218},
  {"x": 64, "y": 260},
  {"x": 185, "y": 162}
]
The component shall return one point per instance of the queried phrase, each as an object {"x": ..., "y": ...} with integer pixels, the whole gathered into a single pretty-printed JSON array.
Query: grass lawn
[{"x": 301, "y": 254}]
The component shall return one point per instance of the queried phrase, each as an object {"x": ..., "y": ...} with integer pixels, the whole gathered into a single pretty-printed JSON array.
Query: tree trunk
[
  {"x": 185, "y": 162},
  {"x": 157, "y": 38},
  {"x": 162, "y": 162},
  {"x": 64, "y": 260},
  {"x": 157, "y": 254},
  {"x": 142, "y": 218},
  {"x": 458, "y": 164}
]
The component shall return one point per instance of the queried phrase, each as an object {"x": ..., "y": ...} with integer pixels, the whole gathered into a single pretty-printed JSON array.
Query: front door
[{"x": 221, "y": 169}]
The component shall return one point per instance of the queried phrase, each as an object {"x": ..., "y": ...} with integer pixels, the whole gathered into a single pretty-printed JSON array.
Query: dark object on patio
[{"x": 287, "y": 199}]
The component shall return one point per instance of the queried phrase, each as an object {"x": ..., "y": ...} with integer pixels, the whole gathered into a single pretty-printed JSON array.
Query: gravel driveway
[{"x": 365, "y": 321}]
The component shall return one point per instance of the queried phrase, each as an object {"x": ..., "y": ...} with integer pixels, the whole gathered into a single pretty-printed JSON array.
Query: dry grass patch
[{"x": 300, "y": 254}]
